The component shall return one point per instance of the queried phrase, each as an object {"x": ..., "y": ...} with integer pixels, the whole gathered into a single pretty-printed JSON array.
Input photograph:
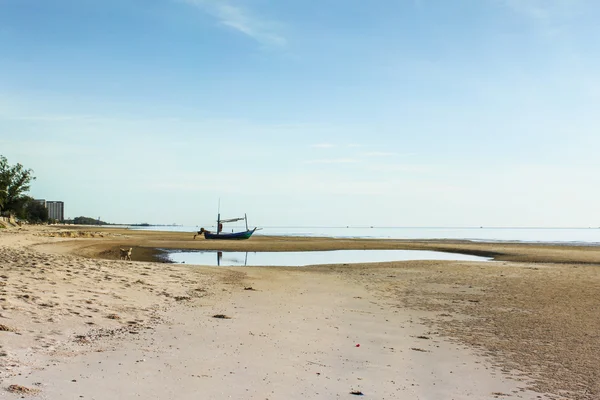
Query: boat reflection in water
[{"x": 232, "y": 261}]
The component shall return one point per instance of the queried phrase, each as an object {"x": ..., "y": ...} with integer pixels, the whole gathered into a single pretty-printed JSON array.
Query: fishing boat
[{"x": 220, "y": 235}]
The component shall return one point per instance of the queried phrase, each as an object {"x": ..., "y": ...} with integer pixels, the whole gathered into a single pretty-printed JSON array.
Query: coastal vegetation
[
  {"x": 15, "y": 181},
  {"x": 86, "y": 221},
  {"x": 34, "y": 211}
]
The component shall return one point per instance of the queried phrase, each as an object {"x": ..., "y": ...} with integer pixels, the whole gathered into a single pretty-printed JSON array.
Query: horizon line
[{"x": 381, "y": 226}]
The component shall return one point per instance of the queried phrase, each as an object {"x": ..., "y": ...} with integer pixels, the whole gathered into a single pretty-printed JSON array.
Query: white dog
[{"x": 126, "y": 254}]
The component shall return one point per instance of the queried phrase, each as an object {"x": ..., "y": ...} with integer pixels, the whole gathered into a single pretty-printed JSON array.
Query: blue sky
[{"x": 393, "y": 113}]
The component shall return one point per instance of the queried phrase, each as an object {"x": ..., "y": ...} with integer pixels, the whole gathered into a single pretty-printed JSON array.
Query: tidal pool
[{"x": 303, "y": 258}]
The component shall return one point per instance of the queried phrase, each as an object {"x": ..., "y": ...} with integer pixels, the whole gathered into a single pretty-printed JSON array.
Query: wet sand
[
  {"x": 147, "y": 245},
  {"x": 78, "y": 322}
]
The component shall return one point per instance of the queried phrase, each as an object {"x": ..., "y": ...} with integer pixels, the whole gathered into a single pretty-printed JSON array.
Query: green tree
[
  {"x": 34, "y": 211},
  {"x": 14, "y": 183},
  {"x": 88, "y": 221}
]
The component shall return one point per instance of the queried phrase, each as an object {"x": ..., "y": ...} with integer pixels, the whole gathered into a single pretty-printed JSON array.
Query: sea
[{"x": 572, "y": 236}]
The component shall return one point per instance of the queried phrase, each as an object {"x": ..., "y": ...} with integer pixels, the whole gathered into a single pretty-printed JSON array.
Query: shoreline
[
  {"x": 151, "y": 244},
  {"x": 525, "y": 328}
]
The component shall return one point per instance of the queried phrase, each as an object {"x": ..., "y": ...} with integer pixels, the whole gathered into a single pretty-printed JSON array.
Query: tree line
[
  {"x": 85, "y": 221},
  {"x": 15, "y": 181}
]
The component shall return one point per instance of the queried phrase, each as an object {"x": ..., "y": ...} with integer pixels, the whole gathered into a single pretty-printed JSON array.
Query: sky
[{"x": 307, "y": 113}]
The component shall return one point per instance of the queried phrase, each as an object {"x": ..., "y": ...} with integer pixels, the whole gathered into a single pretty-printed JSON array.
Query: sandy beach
[{"x": 77, "y": 322}]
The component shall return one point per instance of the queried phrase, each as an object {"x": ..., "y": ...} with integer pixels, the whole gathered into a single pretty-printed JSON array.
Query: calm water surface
[{"x": 303, "y": 258}]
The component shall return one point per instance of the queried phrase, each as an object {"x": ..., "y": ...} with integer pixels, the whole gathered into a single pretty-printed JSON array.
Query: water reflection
[
  {"x": 303, "y": 258},
  {"x": 232, "y": 260}
]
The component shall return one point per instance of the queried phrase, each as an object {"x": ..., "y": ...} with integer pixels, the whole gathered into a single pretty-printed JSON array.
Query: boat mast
[
  {"x": 219, "y": 217},
  {"x": 246, "y": 219}
]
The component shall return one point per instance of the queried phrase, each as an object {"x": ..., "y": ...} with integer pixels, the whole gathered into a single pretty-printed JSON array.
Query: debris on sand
[
  {"x": 81, "y": 339},
  {"x": 357, "y": 393},
  {"x": 249, "y": 288},
  {"x": 75, "y": 234},
  {"x": 221, "y": 316},
  {"x": 418, "y": 349},
  {"x": 21, "y": 389},
  {"x": 5, "y": 328}
]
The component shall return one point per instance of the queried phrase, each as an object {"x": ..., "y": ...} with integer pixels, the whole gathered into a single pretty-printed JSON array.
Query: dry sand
[{"x": 75, "y": 322}]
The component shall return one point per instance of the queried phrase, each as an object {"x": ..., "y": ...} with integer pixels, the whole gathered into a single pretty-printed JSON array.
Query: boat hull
[{"x": 229, "y": 236}]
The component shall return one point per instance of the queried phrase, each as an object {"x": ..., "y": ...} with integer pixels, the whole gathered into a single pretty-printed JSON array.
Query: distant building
[{"x": 56, "y": 209}]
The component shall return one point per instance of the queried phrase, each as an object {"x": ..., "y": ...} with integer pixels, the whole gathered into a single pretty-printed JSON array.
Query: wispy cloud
[
  {"x": 333, "y": 161},
  {"x": 82, "y": 118},
  {"x": 242, "y": 20},
  {"x": 549, "y": 15},
  {"x": 323, "y": 145},
  {"x": 538, "y": 10},
  {"x": 378, "y": 154},
  {"x": 402, "y": 168},
  {"x": 41, "y": 148}
]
